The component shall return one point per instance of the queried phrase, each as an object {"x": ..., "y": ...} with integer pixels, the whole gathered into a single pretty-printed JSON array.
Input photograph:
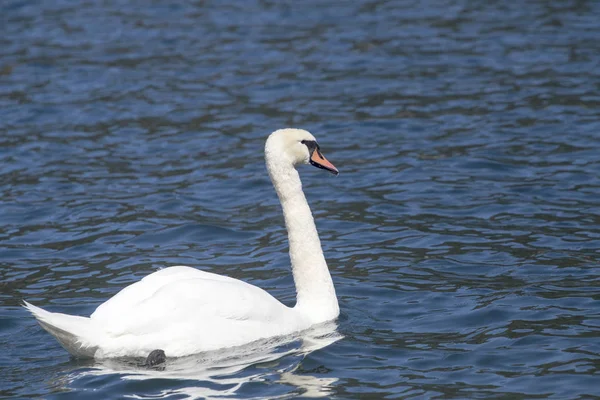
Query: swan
[{"x": 183, "y": 310}]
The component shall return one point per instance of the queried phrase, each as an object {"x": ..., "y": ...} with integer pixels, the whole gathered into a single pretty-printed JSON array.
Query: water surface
[{"x": 462, "y": 233}]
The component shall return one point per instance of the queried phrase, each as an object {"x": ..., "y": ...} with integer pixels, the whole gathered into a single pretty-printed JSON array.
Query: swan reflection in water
[{"x": 224, "y": 373}]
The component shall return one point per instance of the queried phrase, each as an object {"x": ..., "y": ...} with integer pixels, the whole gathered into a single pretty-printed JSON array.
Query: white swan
[{"x": 183, "y": 311}]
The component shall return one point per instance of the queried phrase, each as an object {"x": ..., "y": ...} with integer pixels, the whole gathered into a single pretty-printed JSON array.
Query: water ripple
[{"x": 462, "y": 232}]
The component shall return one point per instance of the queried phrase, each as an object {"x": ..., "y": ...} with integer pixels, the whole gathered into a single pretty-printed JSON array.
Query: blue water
[{"x": 463, "y": 232}]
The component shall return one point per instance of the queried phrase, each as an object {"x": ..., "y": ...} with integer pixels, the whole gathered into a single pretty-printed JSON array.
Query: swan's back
[{"x": 140, "y": 291}]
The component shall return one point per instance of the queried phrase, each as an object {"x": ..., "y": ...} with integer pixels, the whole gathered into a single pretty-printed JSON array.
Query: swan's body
[{"x": 182, "y": 310}]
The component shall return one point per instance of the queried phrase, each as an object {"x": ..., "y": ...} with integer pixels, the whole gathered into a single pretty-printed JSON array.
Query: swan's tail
[{"x": 75, "y": 334}]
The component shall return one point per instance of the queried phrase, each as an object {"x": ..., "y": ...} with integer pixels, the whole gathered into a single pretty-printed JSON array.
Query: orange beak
[{"x": 318, "y": 160}]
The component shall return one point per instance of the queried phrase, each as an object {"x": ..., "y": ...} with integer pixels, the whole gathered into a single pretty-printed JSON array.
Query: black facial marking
[{"x": 312, "y": 146}]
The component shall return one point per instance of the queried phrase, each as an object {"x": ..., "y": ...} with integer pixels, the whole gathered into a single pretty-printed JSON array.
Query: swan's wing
[
  {"x": 134, "y": 294},
  {"x": 187, "y": 300}
]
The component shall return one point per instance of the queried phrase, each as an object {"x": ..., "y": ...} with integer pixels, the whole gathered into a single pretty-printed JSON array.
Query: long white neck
[{"x": 315, "y": 291}]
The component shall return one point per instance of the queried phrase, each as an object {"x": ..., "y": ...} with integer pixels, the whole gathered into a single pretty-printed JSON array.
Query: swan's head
[{"x": 297, "y": 146}]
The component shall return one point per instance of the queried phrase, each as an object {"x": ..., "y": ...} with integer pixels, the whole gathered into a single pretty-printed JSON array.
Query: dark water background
[{"x": 462, "y": 234}]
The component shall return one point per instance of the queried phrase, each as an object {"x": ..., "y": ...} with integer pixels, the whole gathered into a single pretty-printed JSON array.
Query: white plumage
[{"x": 183, "y": 311}]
